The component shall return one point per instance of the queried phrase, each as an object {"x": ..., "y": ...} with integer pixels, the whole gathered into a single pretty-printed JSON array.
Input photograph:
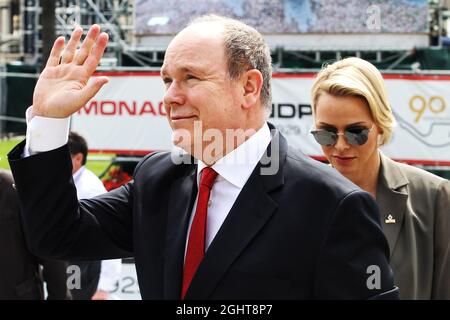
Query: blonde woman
[{"x": 353, "y": 119}]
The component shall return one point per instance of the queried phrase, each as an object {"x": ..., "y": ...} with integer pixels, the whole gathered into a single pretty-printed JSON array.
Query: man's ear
[
  {"x": 252, "y": 81},
  {"x": 78, "y": 158}
]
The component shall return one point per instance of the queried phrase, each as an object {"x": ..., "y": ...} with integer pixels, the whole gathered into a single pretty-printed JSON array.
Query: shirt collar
[
  {"x": 237, "y": 166},
  {"x": 77, "y": 174}
]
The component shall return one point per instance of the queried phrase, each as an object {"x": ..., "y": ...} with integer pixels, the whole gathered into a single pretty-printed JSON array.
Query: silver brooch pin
[{"x": 390, "y": 219}]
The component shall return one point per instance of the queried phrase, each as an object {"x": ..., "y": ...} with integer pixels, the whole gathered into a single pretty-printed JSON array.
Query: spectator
[{"x": 97, "y": 277}]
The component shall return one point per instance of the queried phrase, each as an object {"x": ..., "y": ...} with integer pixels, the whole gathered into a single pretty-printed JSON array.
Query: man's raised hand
[{"x": 66, "y": 84}]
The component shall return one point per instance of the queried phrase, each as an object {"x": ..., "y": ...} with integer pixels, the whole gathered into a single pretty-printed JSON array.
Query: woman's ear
[
  {"x": 380, "y": 130},
  {"x": 380, "y": 136},
  {"x": 252, "y": 81}
]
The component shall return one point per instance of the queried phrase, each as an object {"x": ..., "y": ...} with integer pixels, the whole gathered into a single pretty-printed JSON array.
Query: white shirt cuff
[{"x": 45, "y": 134}]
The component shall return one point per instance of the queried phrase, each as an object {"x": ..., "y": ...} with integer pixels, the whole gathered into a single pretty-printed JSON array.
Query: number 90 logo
[{"x": 418, "y": 104}]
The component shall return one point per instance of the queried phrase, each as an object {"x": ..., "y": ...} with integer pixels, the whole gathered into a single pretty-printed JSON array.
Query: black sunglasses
[{"x": 355, "y": 136}]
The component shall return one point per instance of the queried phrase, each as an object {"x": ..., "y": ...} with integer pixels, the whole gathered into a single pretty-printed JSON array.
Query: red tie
[{"x": 196, "y": 243}]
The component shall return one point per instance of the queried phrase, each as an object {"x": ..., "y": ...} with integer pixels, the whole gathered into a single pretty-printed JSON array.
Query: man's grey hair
[{"x": 245, "y": 49}]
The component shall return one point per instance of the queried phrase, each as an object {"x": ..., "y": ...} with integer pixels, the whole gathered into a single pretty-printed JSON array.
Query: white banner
[{"x": 127, "y": 115}]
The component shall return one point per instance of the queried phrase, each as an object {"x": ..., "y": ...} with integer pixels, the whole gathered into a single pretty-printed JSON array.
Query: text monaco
[{"x": 143, "y": 108}]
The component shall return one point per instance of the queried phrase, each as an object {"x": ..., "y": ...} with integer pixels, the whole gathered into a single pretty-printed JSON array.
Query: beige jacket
[{"x": 415, "y": 214}]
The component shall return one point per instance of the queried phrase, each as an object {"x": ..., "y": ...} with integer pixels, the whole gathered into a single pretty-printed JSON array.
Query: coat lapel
[
  {"x": 183, "y": 193},
  {"x": 245, "y": 220},
  {"x": 392, "y": 196}
]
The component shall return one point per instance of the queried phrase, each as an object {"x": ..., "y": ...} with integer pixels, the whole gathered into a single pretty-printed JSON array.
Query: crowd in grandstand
[{"x": 289, "y": 16}]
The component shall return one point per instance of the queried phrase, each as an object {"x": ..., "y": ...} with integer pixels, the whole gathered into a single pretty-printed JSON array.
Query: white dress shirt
[
  {"x": 45, "y": 134},
  {"x": 87, "y": 183},
  {"x": 233, "y": 172}
]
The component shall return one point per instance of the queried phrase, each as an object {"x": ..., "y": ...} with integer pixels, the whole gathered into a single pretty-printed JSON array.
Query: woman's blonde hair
[{"x": 357, "y": 77}]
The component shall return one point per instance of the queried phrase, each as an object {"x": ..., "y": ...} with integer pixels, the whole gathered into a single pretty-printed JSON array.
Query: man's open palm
[{"x": 65, "y": 85}]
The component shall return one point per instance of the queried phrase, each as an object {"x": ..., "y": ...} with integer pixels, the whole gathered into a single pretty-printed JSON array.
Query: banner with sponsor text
[{"x": 128, "y": 116}]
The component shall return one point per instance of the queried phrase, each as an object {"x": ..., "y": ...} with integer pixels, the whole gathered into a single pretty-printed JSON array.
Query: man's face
[{"x": 198, "y": 90}]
